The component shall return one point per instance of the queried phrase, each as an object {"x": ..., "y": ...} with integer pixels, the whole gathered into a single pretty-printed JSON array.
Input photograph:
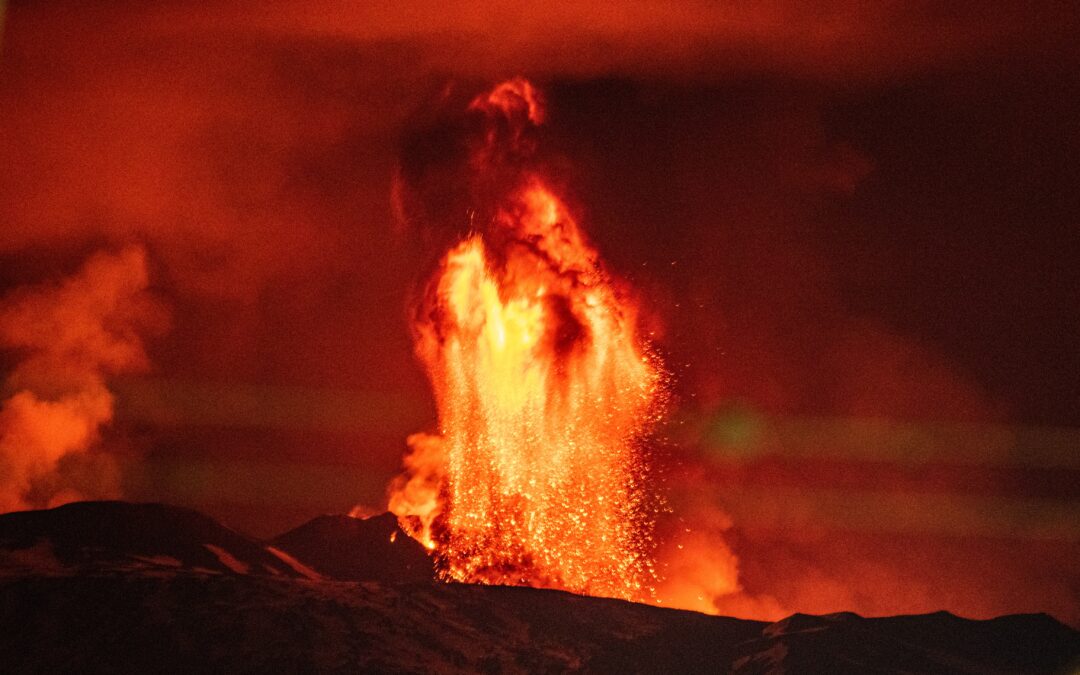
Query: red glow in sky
[{"x": 852, "y": 230}]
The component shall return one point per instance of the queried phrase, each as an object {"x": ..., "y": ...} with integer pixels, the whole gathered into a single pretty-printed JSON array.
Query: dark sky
[{"x": 853, "y": 229}]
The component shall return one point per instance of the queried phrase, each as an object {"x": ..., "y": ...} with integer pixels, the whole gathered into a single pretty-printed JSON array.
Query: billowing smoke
[
  {"x": 700, "y": 572},
  {"x": 68, "y": 338}
]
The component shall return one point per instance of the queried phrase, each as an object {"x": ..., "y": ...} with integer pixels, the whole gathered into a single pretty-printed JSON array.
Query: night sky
[{"x": 852, "y": 229}]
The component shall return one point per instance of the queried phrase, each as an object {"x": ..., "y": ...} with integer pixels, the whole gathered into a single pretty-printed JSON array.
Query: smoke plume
[{"x": 69, "y": 338}]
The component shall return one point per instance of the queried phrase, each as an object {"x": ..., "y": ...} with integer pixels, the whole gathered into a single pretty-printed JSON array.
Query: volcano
[
  {"x": 118, "y": 587},
  {"x": 354, "y": 549}
]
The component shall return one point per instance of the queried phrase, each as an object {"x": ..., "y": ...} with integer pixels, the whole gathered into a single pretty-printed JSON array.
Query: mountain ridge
[{"x": 135, "y": 588}]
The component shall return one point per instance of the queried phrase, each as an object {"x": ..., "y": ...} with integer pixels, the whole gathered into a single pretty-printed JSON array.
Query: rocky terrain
[{"x": 115, "y": 587}]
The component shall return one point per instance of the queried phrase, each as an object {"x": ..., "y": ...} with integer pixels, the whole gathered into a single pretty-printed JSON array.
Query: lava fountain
[{"x": 543, "y": 388}]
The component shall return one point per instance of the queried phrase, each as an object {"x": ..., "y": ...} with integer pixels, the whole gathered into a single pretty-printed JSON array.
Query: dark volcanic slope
[
  {"x": 230, "y": 623},
  {"x": 373, "y": 549},
  {"x": 225, "y": 623},
  {"x": 125, "y": 535},
  {"x": 114, "y": 587},
  {"x": 929, "y": 643}
]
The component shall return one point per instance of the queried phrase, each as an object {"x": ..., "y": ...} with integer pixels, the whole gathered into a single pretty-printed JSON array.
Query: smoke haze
[
  {"x": 68, "y": 338},
  {"x": 852, "y": 229}
]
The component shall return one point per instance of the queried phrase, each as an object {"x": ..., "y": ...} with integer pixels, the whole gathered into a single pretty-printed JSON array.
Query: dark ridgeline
[
  {"x": 354, "y": 549},
  {"x": 115, "y": 587},
  {"x": 120, "y": 535}
]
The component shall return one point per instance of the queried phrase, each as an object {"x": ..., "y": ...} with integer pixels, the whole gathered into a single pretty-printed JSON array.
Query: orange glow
[
  {"x": 510, "y": 94},
  {"x": 72, "y": 336},
  {"x": 543, "y": 393}
]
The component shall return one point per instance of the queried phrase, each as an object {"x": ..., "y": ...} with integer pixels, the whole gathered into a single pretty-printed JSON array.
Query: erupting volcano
[{"x": 543, "y": 387}]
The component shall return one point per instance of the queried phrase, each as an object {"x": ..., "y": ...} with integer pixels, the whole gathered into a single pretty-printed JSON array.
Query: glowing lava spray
[{"x": 543, "y": 388}]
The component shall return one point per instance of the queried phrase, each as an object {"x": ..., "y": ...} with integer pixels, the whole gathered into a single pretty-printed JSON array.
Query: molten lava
[{"x": 543, "y": 389}]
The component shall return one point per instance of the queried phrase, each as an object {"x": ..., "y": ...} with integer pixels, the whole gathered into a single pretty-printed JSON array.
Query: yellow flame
[{"x": 542, "y": 392}]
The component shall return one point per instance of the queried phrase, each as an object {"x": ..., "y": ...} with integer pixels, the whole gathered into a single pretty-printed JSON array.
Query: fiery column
[{"x": 543, "y": 388}]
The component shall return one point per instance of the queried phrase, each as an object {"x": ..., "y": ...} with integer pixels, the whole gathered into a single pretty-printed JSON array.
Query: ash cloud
[
  {"x": 69, "y": 338},
  {"x": 691, "y": 40},
  {"x": 870, "y": 208}
]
